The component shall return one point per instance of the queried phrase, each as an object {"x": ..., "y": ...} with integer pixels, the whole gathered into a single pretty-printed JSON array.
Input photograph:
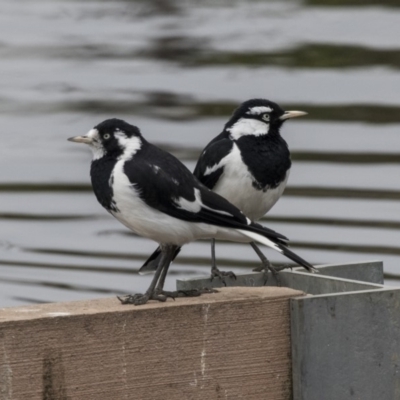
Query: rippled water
[{"x": 177, "y": 70}]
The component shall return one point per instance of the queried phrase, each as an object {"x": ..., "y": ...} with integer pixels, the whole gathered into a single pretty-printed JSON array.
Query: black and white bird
[
  {"x": 155, "y": 195},
  {"x": 248, "y": 164}
]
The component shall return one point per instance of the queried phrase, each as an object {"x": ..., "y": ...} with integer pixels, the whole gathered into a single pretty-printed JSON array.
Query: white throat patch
[
  {"x": 96, "y": 146},
  {"x": 247, "y": 126}
]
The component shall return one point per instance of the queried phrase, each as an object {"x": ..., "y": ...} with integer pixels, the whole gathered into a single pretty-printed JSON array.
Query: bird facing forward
[
  {"x": 155, "y": 195},
  {"x": 248, "y": 163}
]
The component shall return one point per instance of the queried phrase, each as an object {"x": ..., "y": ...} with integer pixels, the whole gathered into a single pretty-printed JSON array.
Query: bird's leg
[
  {"x": 161, "y": 281},
  {"x": 266, "y": 265},
  {"x": 152, "y": 293},
  {"x": 177, "y": 293},
  {"x": 215, "y": 272}
]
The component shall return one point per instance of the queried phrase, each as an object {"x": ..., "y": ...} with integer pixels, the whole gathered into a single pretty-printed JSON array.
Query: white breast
[{"x": 236, "y": 185}]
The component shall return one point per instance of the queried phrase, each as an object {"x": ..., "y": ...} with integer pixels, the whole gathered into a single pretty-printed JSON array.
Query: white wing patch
[
  {"x": 192, "y": 206},
  {"x": 215, "y": 167},
  {"x": 247, "y": 126},
  {"x": 259, "y": 110},
  {"x": 156, "y": 168},
  {"x": 130, "y": 144},
  {"x": 221, "y": 163},
  {"x": 196, "y": 205}
]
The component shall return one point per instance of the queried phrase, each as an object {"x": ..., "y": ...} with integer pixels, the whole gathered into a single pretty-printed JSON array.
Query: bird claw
[
  {"x": 166, "y": 294},
  {"x": 216, "y": 273},
  {"x": 139, "y": 299},
  {"x": 136, "y": 299},
  {"x": 267, "y": 266},
  {"x": 162, "y": 295},
  {"x": 195, "y": 292}
]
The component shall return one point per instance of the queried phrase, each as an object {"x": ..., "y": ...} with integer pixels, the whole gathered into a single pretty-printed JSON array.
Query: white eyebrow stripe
[{"x": 259, "y": 110}]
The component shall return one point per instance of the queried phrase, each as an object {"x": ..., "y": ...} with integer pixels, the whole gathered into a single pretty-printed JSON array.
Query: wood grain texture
[{"x": 231, "y": 345}]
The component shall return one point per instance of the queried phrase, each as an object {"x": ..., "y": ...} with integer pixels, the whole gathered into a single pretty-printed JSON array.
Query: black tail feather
[
  {"x": 151, "y": 263},
  {"x": 297, "y": 259}
]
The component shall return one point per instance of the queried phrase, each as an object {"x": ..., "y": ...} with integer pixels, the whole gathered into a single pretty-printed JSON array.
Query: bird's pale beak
[
  {"x": 292, "y": 114},
  {"x": 81, "y": 139}
]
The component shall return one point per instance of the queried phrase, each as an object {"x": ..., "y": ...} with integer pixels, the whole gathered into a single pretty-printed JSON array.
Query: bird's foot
[
  {"x": 267, "y": 266},
  {"x": 216, "y": 273},
  {"x": 139, "y": 299}
]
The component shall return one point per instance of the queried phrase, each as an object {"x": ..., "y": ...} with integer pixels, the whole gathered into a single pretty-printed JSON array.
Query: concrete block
[{"x": 347, "y": 346}]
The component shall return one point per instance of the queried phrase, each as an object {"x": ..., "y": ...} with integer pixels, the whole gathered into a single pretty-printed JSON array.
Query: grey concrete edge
[{"x": 296, "y": 279}]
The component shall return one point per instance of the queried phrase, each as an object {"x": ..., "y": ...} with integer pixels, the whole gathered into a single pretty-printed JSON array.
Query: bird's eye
[
  {"x": 107, "y": 136},
  {"x": 265, "y": 117}
]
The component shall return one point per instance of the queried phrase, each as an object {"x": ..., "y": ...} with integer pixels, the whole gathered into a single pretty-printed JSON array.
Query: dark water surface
[{"x": 177, "y": 70}]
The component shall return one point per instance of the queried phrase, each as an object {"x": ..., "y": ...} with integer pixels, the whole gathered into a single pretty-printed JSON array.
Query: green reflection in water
[
  {"x": 194, "y": 52},
  {"x": 294, "y": 191},
  {"x": 47, "y": 217},
  {"x": 348, "y": 157},
  {"x": 304, "y": 191},
  {"x": 193, "y": 153},
  {"x": 198, "y": 261},
  {"x": 177, "y": 107},
  {"x": 58, "y": 285},
  {"x": 351, "y": 248},
  {"x": 305, "y": 56},
  {"x": 29, "y": 300},
  {"x": 351, "y": 223},
  {"x": 44, "y": 187},
  {"x": 352, "y": 3}
]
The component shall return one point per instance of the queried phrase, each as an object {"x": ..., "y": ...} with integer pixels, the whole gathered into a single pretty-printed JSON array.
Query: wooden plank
[{"x": 229, "y": 345}]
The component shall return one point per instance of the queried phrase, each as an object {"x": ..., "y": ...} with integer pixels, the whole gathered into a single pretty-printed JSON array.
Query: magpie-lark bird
[
  {"x": 155, "y": 195},
  {"x": 248, "y": 164}
]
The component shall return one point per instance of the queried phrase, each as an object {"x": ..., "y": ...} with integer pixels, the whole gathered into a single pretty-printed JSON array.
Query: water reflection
[
  {"x": 181, "y": 108},
  {"x": 179, "y": 69},
  {"x": 352, "y": 3},
  {"x": 304, "y": 191}
]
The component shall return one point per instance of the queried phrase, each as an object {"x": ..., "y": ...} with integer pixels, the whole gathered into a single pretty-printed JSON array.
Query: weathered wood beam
[{"x": 229, "y": 345}]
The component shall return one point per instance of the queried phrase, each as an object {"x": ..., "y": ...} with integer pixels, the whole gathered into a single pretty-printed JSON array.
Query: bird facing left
[{"x": 155, "y": 195}]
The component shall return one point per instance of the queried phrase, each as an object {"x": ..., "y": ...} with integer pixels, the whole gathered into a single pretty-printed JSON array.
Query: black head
[
  {"x": 259, "y": 115},
  {"x": 259, "y": 109},
  {"x": 114, "y": 125},
  {"x": 111, "y": 137}
]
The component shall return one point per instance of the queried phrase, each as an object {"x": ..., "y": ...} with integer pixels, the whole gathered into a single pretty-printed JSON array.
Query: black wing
[
  {"x": 209, "y": 167},
  {"x": 165, "y": 184}
]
